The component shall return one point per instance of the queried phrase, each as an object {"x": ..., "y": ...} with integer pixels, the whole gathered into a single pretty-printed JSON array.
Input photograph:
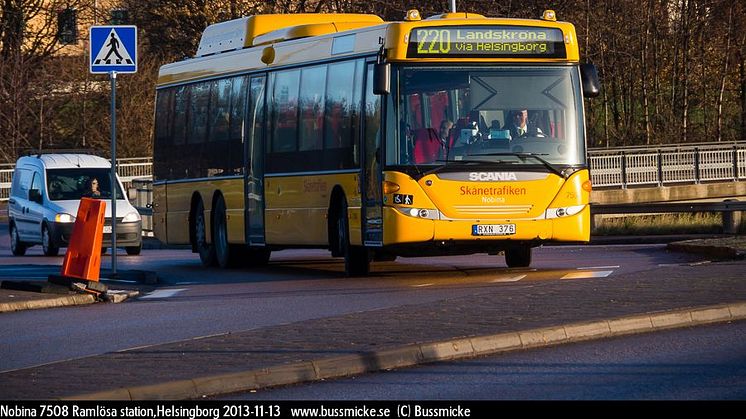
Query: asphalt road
[
  {"x": 703, "y": 363},
  {"x": 192, "y": 301}
]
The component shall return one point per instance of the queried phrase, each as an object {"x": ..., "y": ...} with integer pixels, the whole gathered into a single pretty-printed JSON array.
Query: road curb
[
  {"x": 411, "y": 355},
  {"x": 719, "y": 252},
  {"x": 68, "y": 300}
]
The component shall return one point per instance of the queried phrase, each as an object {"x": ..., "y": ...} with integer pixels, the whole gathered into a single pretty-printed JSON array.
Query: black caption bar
[{"x": 210, "y": 409}]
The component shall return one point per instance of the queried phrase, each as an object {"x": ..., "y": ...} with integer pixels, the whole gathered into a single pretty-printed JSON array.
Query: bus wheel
[
  {"x": 518, "y": 257},
  {"x": 206, "y": 251},
  {"x": 223, "y": 255},
  {"x": 357, "y": 259}
]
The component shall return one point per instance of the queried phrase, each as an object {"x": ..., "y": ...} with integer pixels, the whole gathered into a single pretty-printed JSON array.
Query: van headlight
[
  {"x": 563, "y": 211},
  {"x": 131, "y": 217},
  {"x": 64, "y": 218}
]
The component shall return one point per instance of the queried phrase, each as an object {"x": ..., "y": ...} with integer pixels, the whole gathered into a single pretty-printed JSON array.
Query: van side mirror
[
  {"x": 34, "y": 195},
  {"x": 589, "y": 77},
  {"x": 382, "y": 78}
]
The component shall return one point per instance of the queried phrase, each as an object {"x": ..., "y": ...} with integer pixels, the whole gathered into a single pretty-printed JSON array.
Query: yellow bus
[{"x": 449, "y": 135}]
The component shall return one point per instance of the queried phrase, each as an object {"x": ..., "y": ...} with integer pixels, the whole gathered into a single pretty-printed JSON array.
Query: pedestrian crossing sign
[{"x": 113, "y": 49}]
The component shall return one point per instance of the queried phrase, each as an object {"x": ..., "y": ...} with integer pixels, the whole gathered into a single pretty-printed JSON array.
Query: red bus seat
[{"x": 426, "y": 145}]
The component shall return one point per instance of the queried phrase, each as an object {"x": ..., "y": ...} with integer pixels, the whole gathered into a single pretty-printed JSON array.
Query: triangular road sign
[{"x": 114, "y": 52}]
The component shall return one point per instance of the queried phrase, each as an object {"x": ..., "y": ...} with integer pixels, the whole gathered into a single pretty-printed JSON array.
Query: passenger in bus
[
  {"x": 521, "y": 127},
  {"x": 445, "y": 137}
]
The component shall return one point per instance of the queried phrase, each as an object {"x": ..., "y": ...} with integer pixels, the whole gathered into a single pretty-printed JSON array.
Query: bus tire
[
  {"x": 357, "y": 258},
  {"x": 206, "y": 250},
  {"x": 224, "y": 257},
  {"x": 518, "y": 257}
]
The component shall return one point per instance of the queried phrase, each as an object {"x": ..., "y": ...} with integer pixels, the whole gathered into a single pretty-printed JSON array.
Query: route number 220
[{"x": 433, "y": 41}]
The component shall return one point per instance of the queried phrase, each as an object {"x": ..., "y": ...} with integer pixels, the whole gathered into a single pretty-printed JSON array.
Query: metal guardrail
[
  {"x": 731, "y": 209},
  {"x": 127, "y": 169},
  {"x": 668, "y": 207},
  {"x": 610, "y": 167},
  {"x": 668, "y": 165}
]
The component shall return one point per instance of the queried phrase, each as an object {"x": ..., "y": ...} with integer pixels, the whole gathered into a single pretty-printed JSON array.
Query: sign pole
[
  {"x": 113, "y": 49},
  {"x": 114, "y": 186}
]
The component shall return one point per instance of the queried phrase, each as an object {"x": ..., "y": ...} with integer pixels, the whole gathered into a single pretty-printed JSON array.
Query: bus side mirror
[
  {"x": 382, "y": 78},
  {"x": 589, "y": 76}
]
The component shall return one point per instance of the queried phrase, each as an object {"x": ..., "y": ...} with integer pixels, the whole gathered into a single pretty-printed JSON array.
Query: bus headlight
[
  {"x": 563, "y": 211},
  {"x": 64, "y": 218},
  {"x": 131, "y": 217},
  {"x": 428, "y": 214}
]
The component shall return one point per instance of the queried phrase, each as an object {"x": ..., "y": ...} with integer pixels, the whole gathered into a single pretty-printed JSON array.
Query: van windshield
[{"x": 72, "y": 184}]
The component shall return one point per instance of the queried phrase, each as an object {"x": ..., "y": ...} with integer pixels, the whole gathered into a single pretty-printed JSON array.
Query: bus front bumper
[{"x": 399, "y": 228}]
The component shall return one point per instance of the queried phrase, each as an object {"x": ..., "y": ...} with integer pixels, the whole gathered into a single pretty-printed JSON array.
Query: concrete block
[
  {"x": 171, "y": 390},
  {"x": 405, "y": 356},
  {"x": 711, "y": 314},
  {"x": 674, "y": 319},
  {"x": 541, "y": 337},
  {"x": 737, "y": 311},
  {"x": 554, "y": 334},
  {"x": 530, "y": 338},
  {"x": 343, "y": 366},
  {"x": 285, "y": 374},
  {"x": 226, "y": 383},
  {"x": 630, "y": 324},
  {"x": 581, "y": 331},
  {"x": 453, "y": 349},
  {"x": 495, "y": 343}
]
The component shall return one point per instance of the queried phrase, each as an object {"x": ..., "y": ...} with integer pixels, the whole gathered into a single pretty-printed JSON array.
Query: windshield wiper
[
  {"x": 534, "y": 156},
  {"x": 450, "y": 163}
]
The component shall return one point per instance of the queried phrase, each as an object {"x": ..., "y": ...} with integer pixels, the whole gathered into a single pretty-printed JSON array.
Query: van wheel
[
  {"x": 47, "y": 244},
  {"x": 518, "y": 257},
  {"x": 133, "y": 250},
  {"x": 206, "y": 251},
  {"x": 17, "y": 247},
  {"x": 357, "y": 258},
  {"x": 223, "y": 255}
]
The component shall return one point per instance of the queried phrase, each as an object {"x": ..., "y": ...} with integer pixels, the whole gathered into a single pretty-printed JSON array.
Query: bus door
[
  {"x": 372, "y": 200},
  {"x": 254, "y": 158}
]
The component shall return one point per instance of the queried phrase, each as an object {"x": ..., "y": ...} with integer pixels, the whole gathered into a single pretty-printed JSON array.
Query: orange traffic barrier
[{"x": 83, "y": 256}]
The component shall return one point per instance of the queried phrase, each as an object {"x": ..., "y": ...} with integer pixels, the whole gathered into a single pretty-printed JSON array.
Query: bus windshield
[{"x": 496, "y": 115}]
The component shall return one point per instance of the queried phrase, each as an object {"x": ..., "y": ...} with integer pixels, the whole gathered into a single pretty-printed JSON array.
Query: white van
[{"x": 45, "y": 195}]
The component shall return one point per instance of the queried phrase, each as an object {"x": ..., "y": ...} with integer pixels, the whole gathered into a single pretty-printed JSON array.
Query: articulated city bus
[{"x": 454, "y": 134}]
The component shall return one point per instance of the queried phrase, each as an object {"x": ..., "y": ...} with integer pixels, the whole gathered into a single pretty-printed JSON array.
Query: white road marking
[
  {"x": 703, "y": 262},
  {"x": 587, "y": 274},
  {"x": 422, "y": 285},
  {"x": 163, "y": 293},
  {"x": 599, "y": 267},
  {"x": 119, "y": 280},
  {"x": 512, "y": 278}
]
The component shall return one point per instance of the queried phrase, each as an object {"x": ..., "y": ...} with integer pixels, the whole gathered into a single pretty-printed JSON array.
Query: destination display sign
[{"x": 486, "y": 42}]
